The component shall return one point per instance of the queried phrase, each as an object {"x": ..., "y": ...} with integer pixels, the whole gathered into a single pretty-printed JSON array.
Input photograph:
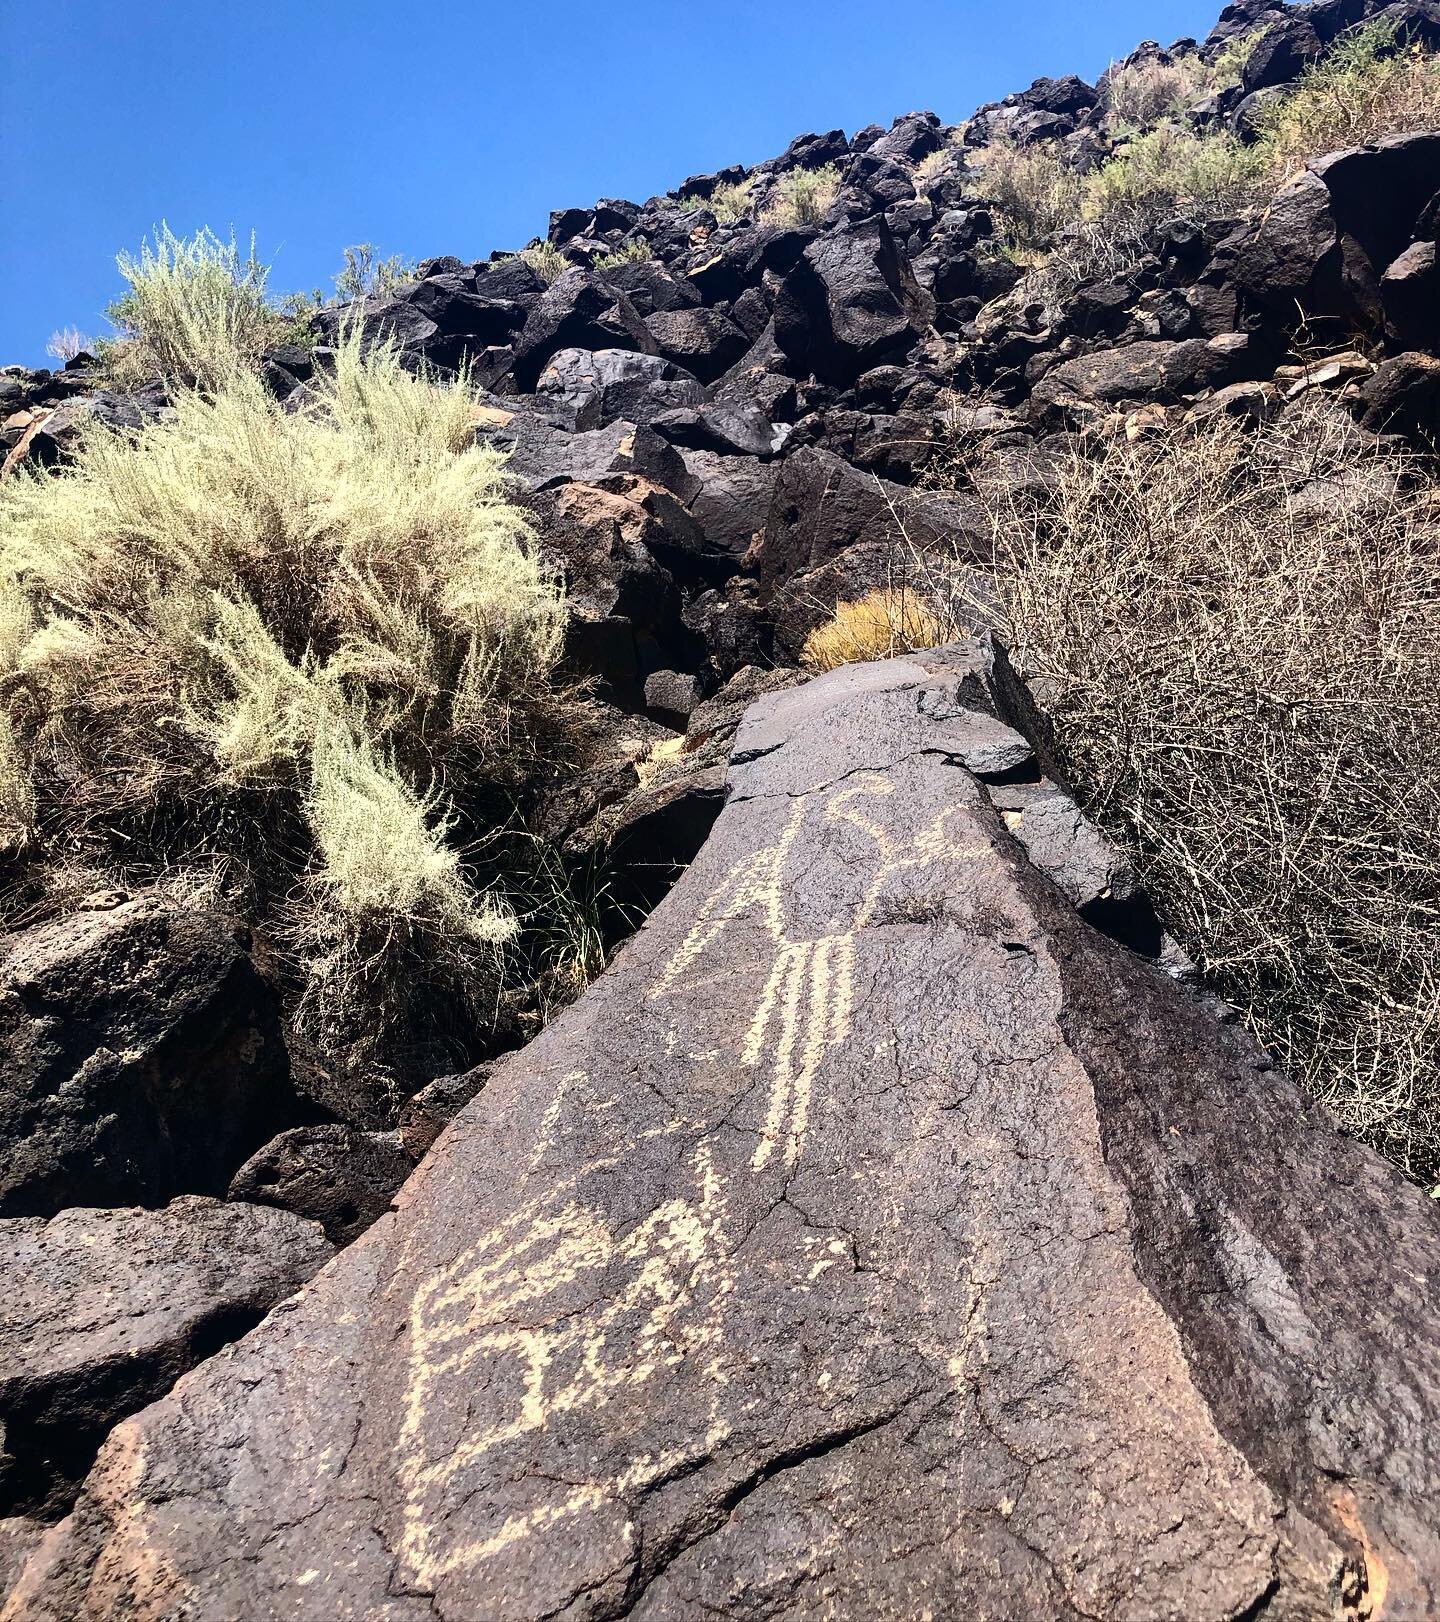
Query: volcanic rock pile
[{"x": 887, "y": 1233}]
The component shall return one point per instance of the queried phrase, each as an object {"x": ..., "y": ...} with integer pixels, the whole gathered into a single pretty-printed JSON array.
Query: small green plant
[
  {"x": 1034, "y": 192},
  {"x": 546, "y": 260},
  {"x": 363, "y": 275},
  {"x": 1227, "y": 67},
  {"x": 731, "y": 201},
  {"x": 1167, "y": 170},
  {"x": 1367, "y": 85},
  {"x": 628, "y": 253},
  {"x": 803, "y": 196},
  {"x": 195, "y": 309}
]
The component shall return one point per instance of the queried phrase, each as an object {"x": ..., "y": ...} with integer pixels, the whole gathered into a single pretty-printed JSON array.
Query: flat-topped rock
[{"x": 874, "y": 1239}]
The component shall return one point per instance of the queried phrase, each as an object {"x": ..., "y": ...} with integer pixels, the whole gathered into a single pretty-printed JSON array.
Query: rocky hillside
[{"x": 895, "y": 1228}]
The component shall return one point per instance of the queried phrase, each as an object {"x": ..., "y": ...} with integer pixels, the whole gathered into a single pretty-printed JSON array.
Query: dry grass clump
[
  {"x": 1036, "y": 193},
  {"x": 546, "y": 260},
  {"x": 1236, "y": 634},
  {"x": 729, "y": 202},
  {"x": 628, "y": 253},
  {"x": 879, "y": 625},
  {"x": 309, "y": 644},
  {"x": 803, "y": 196},
  {"x": 1142, "y": 93},
  {"x": 1367, "y": 85}
]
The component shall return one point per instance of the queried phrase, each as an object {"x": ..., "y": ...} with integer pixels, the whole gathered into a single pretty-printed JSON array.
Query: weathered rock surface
[
  {"x": 140, "y": 1057},
  {"x": 875, "y": 1238},
  {"x": 102, "y": 1311},
  {"x": 332, "y": 1174}
]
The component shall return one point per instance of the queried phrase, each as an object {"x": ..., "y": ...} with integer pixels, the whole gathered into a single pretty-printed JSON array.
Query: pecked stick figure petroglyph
[{"x": 808, "y": 1000}]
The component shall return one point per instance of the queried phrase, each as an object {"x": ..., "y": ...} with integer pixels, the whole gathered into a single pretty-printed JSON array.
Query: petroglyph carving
[
  {"x": 498, "y": 1319},
  {"x": 808, "y": 999}
]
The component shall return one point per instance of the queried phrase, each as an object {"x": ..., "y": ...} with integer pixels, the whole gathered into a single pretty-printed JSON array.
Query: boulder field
[{"x": 874, "y": 1238}]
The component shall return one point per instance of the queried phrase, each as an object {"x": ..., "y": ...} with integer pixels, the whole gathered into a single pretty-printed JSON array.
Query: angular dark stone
[
  {"x": 704, "y": 342},
  {"x": 335, "y": 1175},
  {"x": 874, "y": 1235},
  {"x": 577, "y": 311}
]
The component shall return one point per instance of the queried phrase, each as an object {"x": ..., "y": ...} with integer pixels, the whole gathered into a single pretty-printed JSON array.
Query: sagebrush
[
  {"x": 803, "y": 196},
  {"x": 1236, "y": 633},
  {"x": 315, "y": 645}
]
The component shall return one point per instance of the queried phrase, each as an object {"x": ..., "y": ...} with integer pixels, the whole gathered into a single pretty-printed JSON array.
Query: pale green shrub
[
  {"x": 803, "y": 196},
  {"x": 195, "y": 309},
  {"x": 302, "y": 642},
  {"x": 365, "y": 275},
  {"x": 1367, "y": 85},
  {"x": 546, "y": 260},
  {"x": 1168, "y": 170},
  {"x": 1035, "y": 194},
  {"x": 1142, "y": 93},
  {"x": 628, "y": 253},
  {"x": 729, "y": 202}
]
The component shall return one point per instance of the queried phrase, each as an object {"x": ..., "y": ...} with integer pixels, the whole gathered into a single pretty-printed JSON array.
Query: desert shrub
[
  {"x": 1167, "y": 170},
  {"x": 933, "y": 166},
  {"x": 877, "y": 626},
  {"x": 313, "y": 645},
  {"x": 728, "y": 202},
  {"x": 1227, "y": 66},
  {"x": 1236, "y": 634},
  {"x": 365, "y": 275},
  {"x": 546, "y": 260},
  {"x": 803, "y": 196},
  {"x": 1367, "y": 85},
  {"x": 1142, "y": 93},
  {"x": 195, "y": 309},
  {"x": 628, "y": 253},
  {"x": 1035, "y": 193}
]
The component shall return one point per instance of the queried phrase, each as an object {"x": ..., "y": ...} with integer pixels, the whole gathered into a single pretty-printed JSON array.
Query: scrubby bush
[
  {"x": 803, "y": 196},
  {"x": 1142, "y": 93},
  {"x": 194, "y": 310},
  {"x": 314, "y": 646},
  {"x": 1367, "y": 85},
  {"x": 635, "y": 252},
  {"x": 365, "y": 275},
  {"x": 1236, "y": 633},
  {"x": 546, "y": 260},
  {"x": 729, "y": 202},
  {"x": 879, "y": 625},
  {"x": 1036, "y": 194},
  {"x": 66, "y": 344},
  {"x": 1167, "y": 170}
]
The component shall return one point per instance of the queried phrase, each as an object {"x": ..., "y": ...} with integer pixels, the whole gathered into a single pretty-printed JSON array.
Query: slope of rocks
[
  {"x": 961, "y": 1207},
  {"x": 875, "y": 1238}
]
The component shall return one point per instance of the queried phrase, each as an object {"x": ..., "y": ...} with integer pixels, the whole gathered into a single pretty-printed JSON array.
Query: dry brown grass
[
  {"x": 1236, "y": 634},
  {"x": 878, "y": 625}
]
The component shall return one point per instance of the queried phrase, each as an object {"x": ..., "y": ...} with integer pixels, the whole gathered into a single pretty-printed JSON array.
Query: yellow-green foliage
[
  {"x": 1034, "y": 192},
  {"x": 546, "y": 260},
  {"x": 1168, "y": 168},
  {"x": 1142, "y": 93},
  {"x": 1238, "y": 636},
  {"x": 803, "y": 196},
  {"x": 1366, "y": 86},
  {"x": 279, "y": 638},
  {"x": 628, "y": 253},
  {"x": 195, "y": 309},
  {"x": 366, "y": 275},
  {"x": 876, "y": 626},
  {"x": 729, "y": 202}
]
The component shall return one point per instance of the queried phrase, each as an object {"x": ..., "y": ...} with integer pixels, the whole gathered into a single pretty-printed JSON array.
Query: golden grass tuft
[{"x": 878, "y": 625}]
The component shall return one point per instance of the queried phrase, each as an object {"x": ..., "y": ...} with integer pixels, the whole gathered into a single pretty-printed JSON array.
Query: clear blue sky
[{"x": 456, "y": 125}]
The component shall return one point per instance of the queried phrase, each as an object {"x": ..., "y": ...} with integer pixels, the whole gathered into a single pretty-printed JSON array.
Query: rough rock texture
[
  {"x": 102, "y": 1311},
  {"x": 875, "y": 1238},
  {"x": 140, "y": 1057},
  {"x": 335, "y": 1175}
]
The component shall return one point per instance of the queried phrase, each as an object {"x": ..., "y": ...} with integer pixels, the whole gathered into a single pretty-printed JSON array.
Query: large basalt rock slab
[
  {"x": 102, "y": 1311},
  {"x": 140, "y": 1057},
  {"x": 874, "y": 1238}
]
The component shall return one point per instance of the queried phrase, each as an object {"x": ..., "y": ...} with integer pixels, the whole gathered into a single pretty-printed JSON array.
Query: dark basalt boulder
[
  {"x": 704, "y": 342},
  {"x": 650, "y": 287},
  {"x": 140, "y": 1057},
  {"x": 1403, "y": 395},
  {"x": 577, "y": 311},
  {"x": 101, "y": 1311},
  {"x": 851, "y": 302},
  {"x": 332, "y": 1174},
  {"x": 1377, "y": 192},
  {"x": 1410, "y": 295},
  {"x": 1150, "y": 370},
  {"x": 810, "y": 152},
  {"x": 601, "y": 386},
  {"x": 733, "y": 500},
  {"x": 875, "y": 1236},
  {"x": 425, "y": 1116},
  {"x": 1280, "y": 54}
]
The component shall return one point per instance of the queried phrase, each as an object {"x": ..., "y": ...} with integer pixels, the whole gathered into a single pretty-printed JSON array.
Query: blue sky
[{"x": 452, "y": 127}]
